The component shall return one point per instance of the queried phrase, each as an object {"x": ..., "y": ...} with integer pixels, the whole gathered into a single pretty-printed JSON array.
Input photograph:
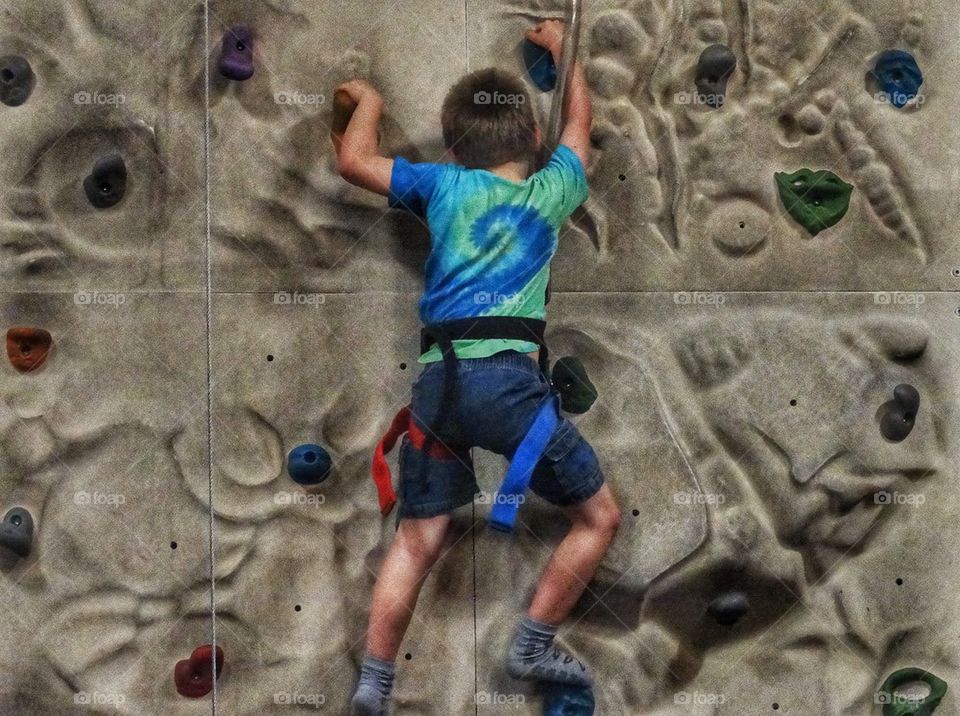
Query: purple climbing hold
[
  {"x": 236, "y": 58},
  {"x": 16, "y": 531},
  {"x": 16, "y": 80}
]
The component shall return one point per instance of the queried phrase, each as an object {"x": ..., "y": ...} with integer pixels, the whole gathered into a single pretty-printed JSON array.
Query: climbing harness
[{"x": 527, "y": 454}]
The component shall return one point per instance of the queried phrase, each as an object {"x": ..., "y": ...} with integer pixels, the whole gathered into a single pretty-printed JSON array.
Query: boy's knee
[{"x": 423, "y": 545}]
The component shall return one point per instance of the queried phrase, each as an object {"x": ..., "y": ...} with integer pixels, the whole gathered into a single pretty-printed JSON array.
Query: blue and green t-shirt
[{"x": 491, "y": 240}]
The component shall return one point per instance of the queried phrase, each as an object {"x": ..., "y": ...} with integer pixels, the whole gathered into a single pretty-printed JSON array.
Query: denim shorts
[{"x": 498, "y": 399}]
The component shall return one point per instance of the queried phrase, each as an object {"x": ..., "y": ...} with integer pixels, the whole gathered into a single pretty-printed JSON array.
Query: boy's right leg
[{"x": 416, "y": 547}]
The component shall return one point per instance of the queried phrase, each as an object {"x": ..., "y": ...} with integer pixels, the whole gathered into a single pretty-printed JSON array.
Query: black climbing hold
[
  {"x": 815, "y": 199},
  {"x": 715, "y": 67},
  {"x": 236, "y": 57},
  {"x": 564, "y": 700},
  {"x": 899, "y": 77},
  {"x": 729, "y": 608},
  {"x": 540, "y": 66},
  {"x": 898, "y": 416},
  {"x": 16, "y": 531},
  {"x": 107, "y": 183},
  {"x": 896, "y": 705},
  {"x": 309, "y": 464},
  {"x": 570, "y": 379},
  {"x": 16, "y": 80}
]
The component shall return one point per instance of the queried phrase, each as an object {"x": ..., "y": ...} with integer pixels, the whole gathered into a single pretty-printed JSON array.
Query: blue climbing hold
[
  {"x": 898, "y": 75},
  {"x": 309, "y": 464},
  {"x": 236, "y": 58},
  {"x": 540, "y": 66},
  {"x": 563, "y": 700}
]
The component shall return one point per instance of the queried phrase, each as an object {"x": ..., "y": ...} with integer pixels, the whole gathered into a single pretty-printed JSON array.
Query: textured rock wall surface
[{"x": 743, "y": 365}]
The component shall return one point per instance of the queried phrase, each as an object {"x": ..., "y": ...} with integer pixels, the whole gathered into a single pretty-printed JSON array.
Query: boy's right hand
[
  {"x": 548, "y": 35},
  {"x": 359, "y": 90}
]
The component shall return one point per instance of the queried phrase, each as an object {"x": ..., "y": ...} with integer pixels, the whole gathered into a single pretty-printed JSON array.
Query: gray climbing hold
[
  {"x": 16, "y": 531},
  {"x": 715, "y": 67},
  {"x": 729, "y": 608},
  {"x": 16, "y": 80},
  {"x": 107, "y": 183},
  {"x": 898, "y": 416}
]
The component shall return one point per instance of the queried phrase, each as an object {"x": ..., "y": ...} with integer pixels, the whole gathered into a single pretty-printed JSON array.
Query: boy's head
[{"x": 488, "y": 120}]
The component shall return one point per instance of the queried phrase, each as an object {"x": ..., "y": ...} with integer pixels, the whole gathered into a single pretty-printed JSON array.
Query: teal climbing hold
[
  {"x": 895, "y": 704},
  {"x": 815, "y": 199},
  {"x": 564, "y": 700},
  {"x": 570, "y": 379},
  {"x": 309, "y": 464}
]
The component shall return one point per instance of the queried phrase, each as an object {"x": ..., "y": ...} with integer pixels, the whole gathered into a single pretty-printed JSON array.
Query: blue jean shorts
[{"x": 498, "y": 399}]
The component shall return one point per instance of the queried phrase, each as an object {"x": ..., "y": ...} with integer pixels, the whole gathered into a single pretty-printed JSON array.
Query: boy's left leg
[{"x": 532, "y": 655}]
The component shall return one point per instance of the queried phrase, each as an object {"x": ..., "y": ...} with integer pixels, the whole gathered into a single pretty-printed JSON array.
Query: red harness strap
[{"x": 402, "y": 423}]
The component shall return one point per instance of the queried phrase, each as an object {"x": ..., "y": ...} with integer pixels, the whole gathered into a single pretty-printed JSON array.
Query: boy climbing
[{"x": 494, "y": 230}]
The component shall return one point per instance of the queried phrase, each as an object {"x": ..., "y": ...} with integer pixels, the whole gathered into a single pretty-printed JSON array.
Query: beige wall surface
[{"x": 242, "y": 299}]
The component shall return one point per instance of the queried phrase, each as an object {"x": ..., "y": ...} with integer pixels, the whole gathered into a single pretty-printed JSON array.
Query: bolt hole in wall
[
  {"x": 173, "y": 545},
  {"x": 793, "y": 402},
  {"x": 269, "y": 358},
  {"x": 408, "y": 656}
]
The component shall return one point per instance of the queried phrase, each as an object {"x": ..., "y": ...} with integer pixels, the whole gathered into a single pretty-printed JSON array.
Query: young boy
[{"x": 493, "y": 229}]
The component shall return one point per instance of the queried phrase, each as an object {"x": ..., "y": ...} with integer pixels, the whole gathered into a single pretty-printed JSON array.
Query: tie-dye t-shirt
[{"x": 491, "y": 240}]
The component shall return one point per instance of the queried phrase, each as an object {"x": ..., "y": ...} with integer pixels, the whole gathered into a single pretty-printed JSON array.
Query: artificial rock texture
[{"x": 740, "y": 363}]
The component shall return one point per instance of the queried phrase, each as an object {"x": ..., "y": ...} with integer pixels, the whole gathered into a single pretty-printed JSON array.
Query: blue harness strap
[{"x": 507, "y": 501}]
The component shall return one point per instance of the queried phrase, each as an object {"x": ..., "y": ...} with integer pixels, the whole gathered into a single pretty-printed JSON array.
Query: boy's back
[{"x": 492, "y": 240}]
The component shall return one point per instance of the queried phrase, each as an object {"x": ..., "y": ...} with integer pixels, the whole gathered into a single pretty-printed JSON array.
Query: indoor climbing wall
[{"x": 208, "y": 331}]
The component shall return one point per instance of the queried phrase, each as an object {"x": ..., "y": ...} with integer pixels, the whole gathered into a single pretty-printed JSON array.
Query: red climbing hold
[
  {"x": 28, "y": 347},
  {"x": 193, "y": 676}
]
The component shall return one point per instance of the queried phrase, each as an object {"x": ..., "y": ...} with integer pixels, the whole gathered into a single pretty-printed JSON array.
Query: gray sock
[
  {"x": 373, "y": 689},
  {"x": 533, "y": 657}
]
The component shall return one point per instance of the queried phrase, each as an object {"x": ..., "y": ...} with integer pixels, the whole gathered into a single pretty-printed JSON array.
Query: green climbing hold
[
  {"x": 816, "y": 200},
  {"x": 570, "y": 379},
  {"x": 895, "y": 704}
]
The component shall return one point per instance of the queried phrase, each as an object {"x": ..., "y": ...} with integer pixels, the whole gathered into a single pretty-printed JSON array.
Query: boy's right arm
[
  {"x": 358, "y": 151},
  {"x": 577, "y": 107}
]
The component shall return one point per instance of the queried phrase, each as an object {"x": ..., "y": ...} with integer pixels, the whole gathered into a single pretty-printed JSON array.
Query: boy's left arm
[{"x": 359, "y": 160}]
